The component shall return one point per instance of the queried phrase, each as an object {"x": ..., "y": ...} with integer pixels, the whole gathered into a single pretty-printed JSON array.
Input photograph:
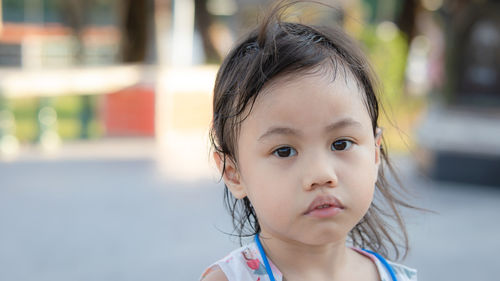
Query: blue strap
[
  {"x": 385, "y": 263},
  {"x": 264, "y": 258},
  {"x": 270, "y": 272}
]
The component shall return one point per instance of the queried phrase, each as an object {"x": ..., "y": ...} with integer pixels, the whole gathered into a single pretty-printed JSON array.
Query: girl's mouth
[{"x": 324, "y": 206}]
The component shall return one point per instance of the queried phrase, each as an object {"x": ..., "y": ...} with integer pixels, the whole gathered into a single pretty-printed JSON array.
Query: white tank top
[{"x": 246, "y": 264}]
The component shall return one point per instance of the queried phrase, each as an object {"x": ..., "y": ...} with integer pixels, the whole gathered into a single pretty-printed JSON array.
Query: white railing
[{"x": 18, "y": 82}]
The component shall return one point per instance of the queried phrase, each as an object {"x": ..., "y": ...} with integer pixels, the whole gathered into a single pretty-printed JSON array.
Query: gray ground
[{"x": 117, "y": 218}]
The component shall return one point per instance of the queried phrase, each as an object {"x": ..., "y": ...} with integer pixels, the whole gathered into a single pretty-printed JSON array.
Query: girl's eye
[
  {"x": 285, "y": 151},
  {"x": 341, "y": 145}
]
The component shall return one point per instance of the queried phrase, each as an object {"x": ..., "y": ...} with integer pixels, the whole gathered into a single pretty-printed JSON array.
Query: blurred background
[{"x": 104, "y": 114}]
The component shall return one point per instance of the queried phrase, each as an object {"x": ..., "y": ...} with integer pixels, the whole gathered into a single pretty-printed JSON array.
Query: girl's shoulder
[
  {"x": 388, "y": 269},
  {"x": 244, "y": 263},
  {"x": 213, "y": 273}
]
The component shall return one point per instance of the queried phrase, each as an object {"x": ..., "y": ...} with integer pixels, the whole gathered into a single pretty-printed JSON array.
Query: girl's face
[{"x": 308, "y": 142}]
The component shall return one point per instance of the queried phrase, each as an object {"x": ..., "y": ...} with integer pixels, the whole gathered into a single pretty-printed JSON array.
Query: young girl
[{"x": 296, "y": 138}]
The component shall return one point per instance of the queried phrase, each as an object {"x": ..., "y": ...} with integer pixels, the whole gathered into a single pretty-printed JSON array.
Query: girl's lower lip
[{"x": 324, "y": 212}]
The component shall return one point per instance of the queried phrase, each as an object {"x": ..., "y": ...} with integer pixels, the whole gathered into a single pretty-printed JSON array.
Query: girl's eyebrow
[
  {"x": 278, "y": 131},
  {"x": 342, "y": 123}
]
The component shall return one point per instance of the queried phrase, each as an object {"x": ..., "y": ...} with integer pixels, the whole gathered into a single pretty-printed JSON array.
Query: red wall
[{"x": 130, "y": 112}]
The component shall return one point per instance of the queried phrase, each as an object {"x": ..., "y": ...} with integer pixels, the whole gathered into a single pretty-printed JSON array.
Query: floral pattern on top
[{"x": 246, "y": 264}]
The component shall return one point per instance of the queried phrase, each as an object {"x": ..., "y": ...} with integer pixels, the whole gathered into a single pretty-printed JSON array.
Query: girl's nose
[{"x": 319, "y": 172}]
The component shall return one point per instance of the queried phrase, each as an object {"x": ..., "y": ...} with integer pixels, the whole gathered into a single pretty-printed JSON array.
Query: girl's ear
[{"x": 231, "y": 175}]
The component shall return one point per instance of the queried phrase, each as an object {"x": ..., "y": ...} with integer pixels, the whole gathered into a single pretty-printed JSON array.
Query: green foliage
[
  {"x": 68, "y": 110},
  {"x": 389, "y": 58},
  {"x": 389, "y": 62}
]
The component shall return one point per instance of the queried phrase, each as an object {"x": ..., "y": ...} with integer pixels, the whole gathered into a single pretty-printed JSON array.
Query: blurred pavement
[{"x": 104, "y": 211}]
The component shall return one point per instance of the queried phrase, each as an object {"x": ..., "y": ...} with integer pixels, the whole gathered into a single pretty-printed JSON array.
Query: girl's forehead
[
  {"x": 328, "y": 72},
  {"x": 317, "y": 80},
  {"x": 312, "y": 100}
]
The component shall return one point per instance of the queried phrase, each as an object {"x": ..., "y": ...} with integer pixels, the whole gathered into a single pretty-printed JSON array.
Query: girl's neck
[{"x": 306, "y": 262}]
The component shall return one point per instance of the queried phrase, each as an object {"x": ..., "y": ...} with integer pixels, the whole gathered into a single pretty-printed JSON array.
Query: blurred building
[
  {"x": 51, "y": 51},
  {"x": 460, "y": 134},
  {"x": 41, "y": 33}
]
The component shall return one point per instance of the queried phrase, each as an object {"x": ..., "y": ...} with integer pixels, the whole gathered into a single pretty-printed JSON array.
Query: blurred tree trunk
[
  {"x": 136, "y": 19},
  {"x": 407, "y": 19},
  {"x": 134, "y": 24},
  {"x": 203, "y": 21}
]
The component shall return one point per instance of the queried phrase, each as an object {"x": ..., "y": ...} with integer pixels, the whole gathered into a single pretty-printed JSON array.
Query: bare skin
[{"x": 327, "y": 262}]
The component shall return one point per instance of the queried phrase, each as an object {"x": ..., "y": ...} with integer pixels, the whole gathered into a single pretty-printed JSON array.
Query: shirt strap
[
  {"x": 385, "y": 263},
  {"x": 264, "y": 258}
]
